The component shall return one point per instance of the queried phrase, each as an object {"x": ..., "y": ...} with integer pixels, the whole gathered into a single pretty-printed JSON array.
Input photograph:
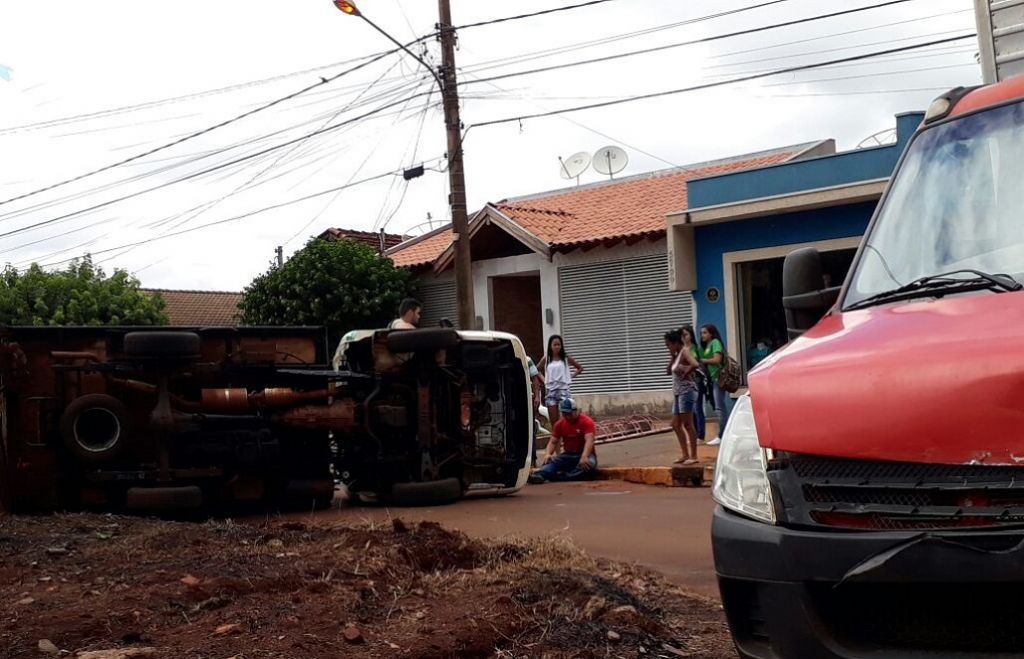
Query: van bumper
[{"x": 842, "y": 595}]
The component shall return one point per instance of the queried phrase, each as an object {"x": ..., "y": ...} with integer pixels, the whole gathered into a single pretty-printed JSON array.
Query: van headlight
[{"x": 741, "y": 478}]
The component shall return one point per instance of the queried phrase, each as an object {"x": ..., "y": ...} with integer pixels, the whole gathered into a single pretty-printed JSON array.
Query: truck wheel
[
  {"x": 433, "y": 338},
  {"x": 162, "y": 345},
  {"x": 431, "y": 493},
  {"x": 95, "y": 427}
]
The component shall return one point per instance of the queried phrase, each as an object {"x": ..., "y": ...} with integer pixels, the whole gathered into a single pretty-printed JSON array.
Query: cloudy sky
[{"x": 92, "y": 84}]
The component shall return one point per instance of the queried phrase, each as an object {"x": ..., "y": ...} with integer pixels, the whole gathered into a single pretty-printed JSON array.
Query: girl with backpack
[
  {"x": 699, "y": 378},
  {"x": 714, "y": 357},
  {"x": 559, "y": 369}
]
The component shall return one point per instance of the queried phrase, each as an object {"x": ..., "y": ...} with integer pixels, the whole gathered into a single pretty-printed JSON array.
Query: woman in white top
[{"x": 559, "y": 369}]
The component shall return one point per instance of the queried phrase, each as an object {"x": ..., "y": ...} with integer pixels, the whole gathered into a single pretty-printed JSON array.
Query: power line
[
  {"x": 716, "y": 37},
  {"x": 209, "y": 170},
  {"x": 532, "y": 14},
  {"x": 186, "y": 97},
  {"x": 792, "y": 69},
  {"x": 561, "y": 50},
  {"x": 188, "y": 159},
  {"x": 204, "y": 131},
  {"x": 243, "y": 216}
]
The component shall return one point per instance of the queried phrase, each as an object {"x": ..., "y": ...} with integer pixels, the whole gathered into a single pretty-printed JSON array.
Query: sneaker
[
  {"x": 536, "y": 479},
  {"x": 714, "y": 442}
]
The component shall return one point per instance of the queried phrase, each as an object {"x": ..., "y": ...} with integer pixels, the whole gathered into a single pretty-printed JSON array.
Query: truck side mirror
[{"x": 804, "y": 296}]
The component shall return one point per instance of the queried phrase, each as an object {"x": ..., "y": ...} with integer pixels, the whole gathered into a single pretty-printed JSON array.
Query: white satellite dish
[
  {"x": 610, "y": 160},
  {"x": 575, "y": 165}
]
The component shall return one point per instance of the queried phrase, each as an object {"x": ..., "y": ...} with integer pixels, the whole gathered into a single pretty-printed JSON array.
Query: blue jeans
[
  {"x": 723, "y": 401},
  {"x": 699, "y": 421},
  {"x": 565, "y": 467}
]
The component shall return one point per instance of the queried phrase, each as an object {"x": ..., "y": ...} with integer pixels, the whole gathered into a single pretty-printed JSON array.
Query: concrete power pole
[
  {"x": 280, "y": 256},
  {"x": 456, "y": 172}
]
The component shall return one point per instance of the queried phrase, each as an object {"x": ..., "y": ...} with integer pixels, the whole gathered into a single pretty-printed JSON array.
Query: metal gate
[{"x": 614, "y": 317}]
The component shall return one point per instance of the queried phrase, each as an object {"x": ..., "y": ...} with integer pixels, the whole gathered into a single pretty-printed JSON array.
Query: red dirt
[{"x": 219, "y": 590}]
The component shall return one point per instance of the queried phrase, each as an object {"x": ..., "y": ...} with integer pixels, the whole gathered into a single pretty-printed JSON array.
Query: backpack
[{"x": 729, "y": 375}]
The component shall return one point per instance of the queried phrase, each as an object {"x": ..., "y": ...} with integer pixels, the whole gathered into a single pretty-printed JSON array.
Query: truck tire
[
  {"x": 162, "y": 345},
  {"x": 431, "y": 493},
  {"x": 95, "y": 427},
  {"x": 433, "y": 338}
]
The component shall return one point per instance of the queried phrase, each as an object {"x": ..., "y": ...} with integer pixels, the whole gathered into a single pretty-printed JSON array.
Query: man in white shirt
[{"x": 408, "y": 315}]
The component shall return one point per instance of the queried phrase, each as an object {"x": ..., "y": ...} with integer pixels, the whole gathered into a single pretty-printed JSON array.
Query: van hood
[{"x": 939, "y": 381}]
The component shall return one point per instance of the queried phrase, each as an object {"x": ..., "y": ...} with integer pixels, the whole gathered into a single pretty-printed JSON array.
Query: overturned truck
[{"x": 158, "y": 418}]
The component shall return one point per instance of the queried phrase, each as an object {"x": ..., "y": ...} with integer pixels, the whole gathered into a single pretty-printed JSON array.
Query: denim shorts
[
  {"x": 555, "y": 396},
  {"x": 685, "y": 403}
]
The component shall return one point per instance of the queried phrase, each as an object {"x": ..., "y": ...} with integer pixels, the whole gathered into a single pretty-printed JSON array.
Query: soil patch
[{"x": 73, "y": 584}]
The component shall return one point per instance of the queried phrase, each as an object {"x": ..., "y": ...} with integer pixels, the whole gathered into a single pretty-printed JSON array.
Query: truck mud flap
[{"x": 164, "y": 498}]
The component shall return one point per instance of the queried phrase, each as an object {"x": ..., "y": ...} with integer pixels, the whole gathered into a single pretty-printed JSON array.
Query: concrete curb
[{"x": 698, "y": 475}]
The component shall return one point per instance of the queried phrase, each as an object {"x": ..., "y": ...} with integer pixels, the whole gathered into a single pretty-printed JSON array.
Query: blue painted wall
[
  {"x": 820, "y": 172},
  {"x": 808, "y": 226}
]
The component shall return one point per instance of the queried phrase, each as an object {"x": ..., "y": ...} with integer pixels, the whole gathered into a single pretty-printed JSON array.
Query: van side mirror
[{"x": 804, "y": 296}]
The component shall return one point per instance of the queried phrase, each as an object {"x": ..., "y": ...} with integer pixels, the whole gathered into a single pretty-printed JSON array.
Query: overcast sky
[{"x": 69, "y": 59}]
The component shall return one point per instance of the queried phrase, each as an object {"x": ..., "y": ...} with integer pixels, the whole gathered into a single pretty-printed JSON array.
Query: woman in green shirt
[{"x": 712, "y": 356}]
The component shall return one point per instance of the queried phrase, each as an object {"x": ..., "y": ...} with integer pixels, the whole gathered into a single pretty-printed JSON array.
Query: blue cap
[{"x": 568, "y": 405}]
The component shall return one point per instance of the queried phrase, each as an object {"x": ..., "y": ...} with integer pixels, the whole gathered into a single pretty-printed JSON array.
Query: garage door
[{"x": 614, "y": 317}]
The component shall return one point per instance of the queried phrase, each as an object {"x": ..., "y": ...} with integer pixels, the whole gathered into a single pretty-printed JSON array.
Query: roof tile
[
  {"x": 633, "y": 207},
  {"x": 200, "y": 308}
]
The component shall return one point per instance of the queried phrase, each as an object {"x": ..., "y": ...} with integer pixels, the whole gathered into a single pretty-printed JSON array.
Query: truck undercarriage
[{"x": 158, "y": 418}]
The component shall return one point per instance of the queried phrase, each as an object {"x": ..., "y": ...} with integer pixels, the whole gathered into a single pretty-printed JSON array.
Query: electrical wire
[
  {"x": 187, "y": 97},
  {"x": 792, "y": 69},
  {"x": 190, "y": 160},
  {"x": 543, "y": 12},
  {"x": 708, "y": 39},
  {"x": 561, "y": 50},
  {"x": 243, "y": 216},
  {"x": 209, "y": 170},
  {"x": 191, "y": 136}
]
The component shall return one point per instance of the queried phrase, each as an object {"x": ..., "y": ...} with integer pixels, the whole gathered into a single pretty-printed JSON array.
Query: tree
[
  {"x": 341, "y": 284},
  {"x": 81, "y": 294}
]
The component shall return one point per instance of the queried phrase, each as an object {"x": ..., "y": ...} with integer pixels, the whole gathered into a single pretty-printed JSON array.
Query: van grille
[{"x": 867, "y": 494}]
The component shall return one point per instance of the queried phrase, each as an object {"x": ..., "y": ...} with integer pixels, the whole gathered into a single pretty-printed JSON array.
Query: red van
[{"x": 871, "y": 483}]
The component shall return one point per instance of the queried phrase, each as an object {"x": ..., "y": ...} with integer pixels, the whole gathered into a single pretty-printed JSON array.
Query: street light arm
[{"x": 406, "y": 49}]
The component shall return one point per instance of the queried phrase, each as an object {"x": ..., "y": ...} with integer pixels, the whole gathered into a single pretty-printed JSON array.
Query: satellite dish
[
  {"x": 575, "y": 165},
  {"x": 610, "y": 160}
]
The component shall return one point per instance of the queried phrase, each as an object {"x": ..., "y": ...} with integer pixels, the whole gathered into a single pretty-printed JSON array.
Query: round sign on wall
[{"x": 713, "y": 294}]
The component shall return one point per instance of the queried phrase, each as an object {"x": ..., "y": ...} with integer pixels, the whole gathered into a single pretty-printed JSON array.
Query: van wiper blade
[{"x": 946, "y": 283}]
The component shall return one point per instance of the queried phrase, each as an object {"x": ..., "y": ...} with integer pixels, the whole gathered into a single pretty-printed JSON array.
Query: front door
[{"x": 517, "y": 310}]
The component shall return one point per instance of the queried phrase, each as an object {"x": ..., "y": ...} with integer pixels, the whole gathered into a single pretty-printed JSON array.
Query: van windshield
[{"x": 957, "y": 203}]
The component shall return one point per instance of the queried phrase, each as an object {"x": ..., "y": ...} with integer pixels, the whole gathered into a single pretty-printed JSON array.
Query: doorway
[
  {"x": 516, "y": 308},
  {"x": 762, "y": 319}
]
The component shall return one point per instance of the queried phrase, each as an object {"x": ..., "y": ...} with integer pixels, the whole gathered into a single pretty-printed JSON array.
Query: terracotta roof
[
  {"x": 604, "y": 212},
  {"x": 422, "y": 250},
  {"x": 369, "y": 237},
  {"x": 200, "y": 308}
]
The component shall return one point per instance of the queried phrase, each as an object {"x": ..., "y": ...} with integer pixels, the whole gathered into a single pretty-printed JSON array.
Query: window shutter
[
  {"x": 614, "y": 316},
  {"x": 439, "y": 302}
]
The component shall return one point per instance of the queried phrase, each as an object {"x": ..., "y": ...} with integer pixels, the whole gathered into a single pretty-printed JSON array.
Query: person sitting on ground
[
  {"x": 574, "y": 435},
  {"x": 408, "y": 315}
]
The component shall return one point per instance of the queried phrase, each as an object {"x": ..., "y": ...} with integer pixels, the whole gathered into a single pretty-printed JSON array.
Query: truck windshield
[{"x": 957, "y": 203}]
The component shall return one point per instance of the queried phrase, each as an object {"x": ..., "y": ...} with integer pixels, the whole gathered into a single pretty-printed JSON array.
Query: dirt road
[{"x": 666, "y": 529}]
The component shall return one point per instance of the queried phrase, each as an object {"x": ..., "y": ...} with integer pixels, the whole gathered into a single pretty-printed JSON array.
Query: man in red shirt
[{"x": 577, "y": 459}]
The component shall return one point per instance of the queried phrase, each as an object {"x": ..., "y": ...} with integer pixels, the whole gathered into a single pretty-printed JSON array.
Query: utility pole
[
  {"x": 280, "y": 255},
  {"x": 456, "y": 172}
]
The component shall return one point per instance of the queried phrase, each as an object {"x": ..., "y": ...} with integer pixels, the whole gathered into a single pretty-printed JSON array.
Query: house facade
[
  {"x": 588, "y": 263},
  {"x": 728, "y": 246}
]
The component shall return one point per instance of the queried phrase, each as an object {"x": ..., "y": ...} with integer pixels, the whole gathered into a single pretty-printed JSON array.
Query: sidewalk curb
[{"x": 698, "y": 475}]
